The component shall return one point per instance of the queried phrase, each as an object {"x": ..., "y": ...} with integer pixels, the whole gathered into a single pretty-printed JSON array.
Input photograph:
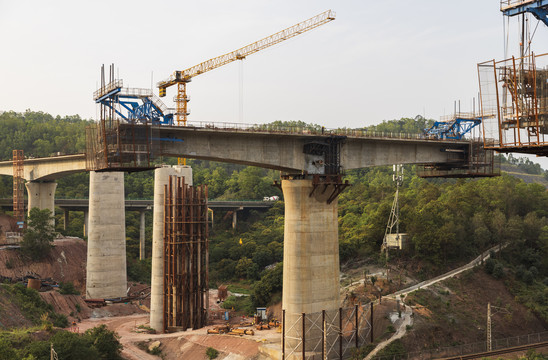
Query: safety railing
[
  {"x": 304, "y": 130},
  {"x": 505, "y": 4}
]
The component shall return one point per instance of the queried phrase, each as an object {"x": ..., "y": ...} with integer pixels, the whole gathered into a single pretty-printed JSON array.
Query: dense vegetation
[
  {"x": 33, "y": 344},
  {"x": 449, "y": 221},
  {"x": 32, "y": 306}
]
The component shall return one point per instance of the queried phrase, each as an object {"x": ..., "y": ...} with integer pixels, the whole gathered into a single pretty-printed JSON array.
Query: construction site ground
[{"x": 450, "y": 310}]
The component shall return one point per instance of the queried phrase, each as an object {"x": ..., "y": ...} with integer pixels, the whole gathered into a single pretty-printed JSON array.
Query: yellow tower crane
[{"x": 181, "y": 78}]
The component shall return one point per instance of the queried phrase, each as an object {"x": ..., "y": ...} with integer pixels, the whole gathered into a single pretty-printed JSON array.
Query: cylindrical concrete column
[
  {"x": 142, "y": 237},
  {"x": 161, "y": 178},
  {"x": 311, "y": 253},
  {"x": 66, "y": 218},
  {"x": 86, "y": 223},
  {"x": 106, "y": 258},
  {"x": 41, "y": 195},
  {"x": 234, "y": 219}
]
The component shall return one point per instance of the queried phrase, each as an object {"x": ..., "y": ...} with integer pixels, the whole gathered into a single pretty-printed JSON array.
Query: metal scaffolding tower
[
  {"x": 18, "y": 188},
  {"x": 186, "y": 256}
]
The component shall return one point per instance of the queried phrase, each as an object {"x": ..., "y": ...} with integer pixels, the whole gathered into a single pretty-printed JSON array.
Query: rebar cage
[
  {"x": 186, "y": 256},
  {"x": 514, "y": 103}
]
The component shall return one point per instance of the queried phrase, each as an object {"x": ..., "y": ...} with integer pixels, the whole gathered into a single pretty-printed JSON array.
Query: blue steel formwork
[
  {"x": 134, "y": 105},
  {"x": 539, "y": 8},
  {"x": 454, "y": 129}
]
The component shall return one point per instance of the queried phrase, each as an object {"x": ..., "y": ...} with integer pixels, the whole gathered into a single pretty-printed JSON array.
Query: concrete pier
[
  {"x": 106, "y": 258},
  {"x": 41, "y": 195},
  {"x": 161, "y": 178},
  {"x": 311, "y": 252}
]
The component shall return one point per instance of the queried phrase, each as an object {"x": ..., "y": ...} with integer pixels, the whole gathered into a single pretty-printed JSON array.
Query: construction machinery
[{"x": 181, "y": 78}]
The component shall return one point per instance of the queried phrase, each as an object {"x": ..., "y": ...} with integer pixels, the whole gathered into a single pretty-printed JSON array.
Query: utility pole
[{"x": 489, "y": 327}]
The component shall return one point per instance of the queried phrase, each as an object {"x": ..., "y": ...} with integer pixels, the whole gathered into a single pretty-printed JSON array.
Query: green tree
[
  {"x": 106, "y": 342},
  {"x": 39, "y": 234}
]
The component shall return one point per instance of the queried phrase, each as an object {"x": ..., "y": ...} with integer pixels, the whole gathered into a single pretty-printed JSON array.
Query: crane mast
[{"x": 181, "y": 78}]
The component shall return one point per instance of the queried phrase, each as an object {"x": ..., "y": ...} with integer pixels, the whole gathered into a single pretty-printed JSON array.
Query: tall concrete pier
[
  {"x": 106, "y": 259},
  {"x": 161, "y": 178},
  {"x": 311, "y": 251},
  {"x": 41, "y": 195}
]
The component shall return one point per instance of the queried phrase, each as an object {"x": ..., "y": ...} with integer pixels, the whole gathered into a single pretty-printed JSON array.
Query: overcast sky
[{"x": 379, "y": 60}]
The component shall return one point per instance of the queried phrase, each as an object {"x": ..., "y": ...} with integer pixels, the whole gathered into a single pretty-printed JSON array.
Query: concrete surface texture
[
  {"x": 106, "y": 255},
  {"x": 282, "y": 151},
  {"x": 161, "y": 178},
  {"x": 41, "y": 195},
  {"x": 311, "y": 251}
]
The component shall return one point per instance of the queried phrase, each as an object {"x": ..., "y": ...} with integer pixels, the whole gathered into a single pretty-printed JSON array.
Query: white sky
[{"x": 379, "y": 60}]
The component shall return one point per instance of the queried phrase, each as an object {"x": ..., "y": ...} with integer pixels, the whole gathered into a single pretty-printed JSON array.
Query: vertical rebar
[
  {"x": 304, "y": 336},
  {"x": 324, "y": 336},
  {"x": 371, "y": 317},
  {"x": 356, "y": 316},
  {"x": 283, "y": 334},
  {"x": 340, "y": 334}
]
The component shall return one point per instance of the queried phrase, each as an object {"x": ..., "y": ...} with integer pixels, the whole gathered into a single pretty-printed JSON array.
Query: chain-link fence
[{"x": 326, "y": 334}]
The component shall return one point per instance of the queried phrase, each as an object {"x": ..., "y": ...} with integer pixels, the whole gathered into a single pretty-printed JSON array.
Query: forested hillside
[{"x": 448, "y": 221}]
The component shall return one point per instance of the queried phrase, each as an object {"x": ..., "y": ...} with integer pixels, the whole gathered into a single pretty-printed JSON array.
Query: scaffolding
[
  {"x": 476, "y": 161},
  {"x": 186, "y": 256},
  {"x": 18, "y": 187},
  {"x": 514, "y": 104}
]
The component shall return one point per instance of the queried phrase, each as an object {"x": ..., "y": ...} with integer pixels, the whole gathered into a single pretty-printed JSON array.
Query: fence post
[
  {"x": 283, "y": 334},
  {"x": 371, "y": 316},
  {"x": 340, "y": 335},
  {"x": 304, "y": 336},
  {"x": 324, "y": 336},
  {"x": 357, "y": 341}
]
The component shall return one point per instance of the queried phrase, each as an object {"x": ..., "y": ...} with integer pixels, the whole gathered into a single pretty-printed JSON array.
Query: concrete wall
[
  {"x": 106, "y": 257},
  {"x": 161, "y": 178}
]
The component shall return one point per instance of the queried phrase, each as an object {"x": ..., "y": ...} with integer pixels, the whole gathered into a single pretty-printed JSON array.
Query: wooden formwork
[{"x": 186, "y": 256}]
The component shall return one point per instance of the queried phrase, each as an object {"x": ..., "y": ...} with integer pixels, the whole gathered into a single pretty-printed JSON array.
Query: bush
[
  {"x": 212, "y": 353},
  {"x": 106, "y": 342},
  {"x": 58, "y": 320},
  {"x": 240, "y": 304},
  {"x": 6, "y": 350},
  {"x": 498, "y": 270},
  {"x": 67, "y": 288},
  {"x": 489, "y": 265}
]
